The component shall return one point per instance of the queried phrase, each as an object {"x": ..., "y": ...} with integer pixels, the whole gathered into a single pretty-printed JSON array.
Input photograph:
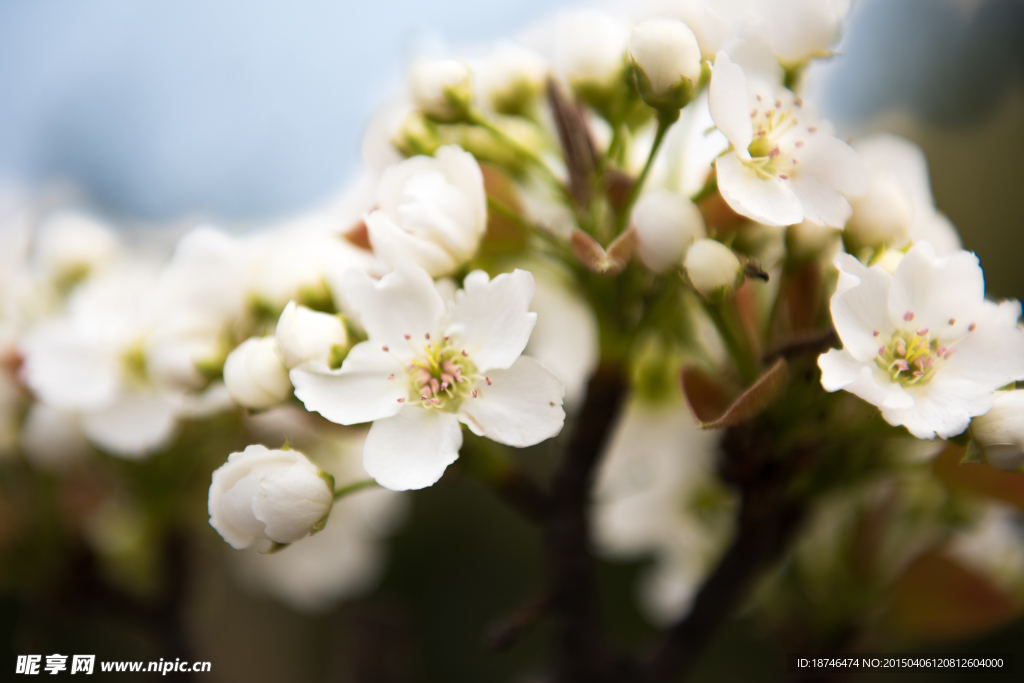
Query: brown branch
[{"x": 582, "y": 651}]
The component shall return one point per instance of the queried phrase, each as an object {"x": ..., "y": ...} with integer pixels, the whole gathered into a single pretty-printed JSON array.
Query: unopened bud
[
  {"x": 666, "y": 61},
  {"x": 1000, "y": 431},
  {"x": 254, "y": 376},
  {"x": 713, "y": 268},
  {"x": 441, "y": 89},
  {"x": 666, "y": 224},
  {"x": 307, "y": 335}
]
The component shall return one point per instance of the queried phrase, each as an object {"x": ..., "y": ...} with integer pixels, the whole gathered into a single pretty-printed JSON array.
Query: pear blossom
[
  {"x": 441, "y": 88},
  {"x": 666, "y": 224},
  {"x": 783, "y": 165},
  {"x": 71, "y": 244},
  {"x": 591, "y": 48},
  {"x": 712, "y": 267},
  {"x": 667, "y": 60},
  {"x": 993, "y": 546},
  {"x": 432, "y": 211},
  {"x": 254, "y": 374},
  {"x": 261, "y": 495},
  {"x": 427, "y": 366},
  {"x": 303, "y": 334},
  {"x": 922, "y": 344},
  {"x": 511, "y": 77},
  {"x": 1000, "y": 431},
  {"x": 898, "y": 207},
  {"x": 797, "y": 30}
]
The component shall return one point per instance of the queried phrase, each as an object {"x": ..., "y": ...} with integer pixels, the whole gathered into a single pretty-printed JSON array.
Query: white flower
[
  {"x": 668, "y": 61},
  {"x": 1001, "y": 430},
  {"x": 712, "y": 267},
  {"x": 709, "y": 21},
  {"x": 441, "y": 88},
  {"x": 344, "y": 559},
  {"x": 898, "y": 206},
  {"x": 923, "y": 344},
  {"x": 72, "y": 244},
  {"x": 265, "y": 495},
  {"x": 255, "y": 376},
  {"x": 666, "y": 224},
  {"x": 993, "y": 546},
  {"x": 656, "y": 495},
  {"x": 511, "y": 77},
  {"x": 797, "y": 30},
  {"x": 432, "y": 211},
  {"x": 426, "y": 367},
  {"x": 306, "y": 335},
  {"x": 784, "y": 165},
  {"x": 591, "y": 48}
]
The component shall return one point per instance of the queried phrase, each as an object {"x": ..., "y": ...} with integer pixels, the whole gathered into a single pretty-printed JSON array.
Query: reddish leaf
[{"x": 712, "y": 403}]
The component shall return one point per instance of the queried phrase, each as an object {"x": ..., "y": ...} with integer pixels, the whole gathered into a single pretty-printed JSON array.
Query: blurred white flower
[
  {"x": 71, "y": 244},
  {"x": 709, "y": 20},
  {"x": 306, "y": 335},
  {"x": 565, "y": 338},
  {"x": 923, "y": 344},
  {"x": 268, "y": 495},
  {"x": 666, "y": 223},
  {"x": 667, "y": 59},
  {"x": 344, "y": 559},
  {"x": 511, "y": 77},
  {"x": 1000, "y": 431},
  {"x": 91, "y": 361},
  {"x": 432, "y": 211},
  {"x": 784, "y": 165},
  {"x": 426, "y": 367},
  {"x": 898, "y": 206},
  {"x": 994, "y": 546},
  {"x": 590, "y": 48},
  {"x": 712, "y": 267},
  {"x": 796, "y": 30},
  {"x": 254, "y": 375},
  {"x": 656, "y": 494},
  {"x": 441, "y": 88}
]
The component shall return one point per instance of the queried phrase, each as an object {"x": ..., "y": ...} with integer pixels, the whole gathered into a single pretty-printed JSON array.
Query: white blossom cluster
[{"x": 388, "y": 312}]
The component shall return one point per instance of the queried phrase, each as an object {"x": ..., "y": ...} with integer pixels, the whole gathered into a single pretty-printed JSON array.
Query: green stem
[
  {"x": 664, "y": 123},
  {"x": 478, "y": 118},
  {"x": 722, "y": 315},
  {"x": 353, "y": 487},
  {"x": 506, "y": 211}
]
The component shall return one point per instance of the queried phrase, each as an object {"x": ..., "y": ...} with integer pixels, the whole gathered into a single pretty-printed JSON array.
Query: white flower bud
[
  {"x": 307, "y": 335},
  {"x": 883, "y": 216},
  {"x": 511, "y": 78},
  {"x": 71, "y": 244},
  {"x": 666, "y": 224},
  {"x": 808, "y": 241},
  {"x": 712, "y": 267},
  {"x": 254, "y": 376},
  {"x": 667, "y": 60},
  {"x": 1001, "y": 430},
  {"x": 441, "y": 88},
  {"x": 590, "y": 48},
  {"x": 265, "y": 495}
]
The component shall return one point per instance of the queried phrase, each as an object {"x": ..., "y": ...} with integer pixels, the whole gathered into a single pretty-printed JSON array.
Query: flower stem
[
  {"x": 664, "y": 123},
  {"x": 353, "y": 487},
  {"x": 478, "y": 118},
  {"x": 723, "y": 316}
]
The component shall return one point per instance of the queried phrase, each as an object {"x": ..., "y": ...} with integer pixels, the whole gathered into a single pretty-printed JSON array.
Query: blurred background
[{"x": 165, "y": 111}]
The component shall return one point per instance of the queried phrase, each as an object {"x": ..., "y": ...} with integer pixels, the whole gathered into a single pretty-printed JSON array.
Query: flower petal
[
  {"x": 829, "y": 169},
  {"x": 522, "y": 406},
  {"x": 992, "y": 355},
  {"x": 944, "y": 407},
  {"x": 359, "y": 391},
  {"x": 392, "y": 244},
  {"x": 729, "y": 100},
  {"x": 402, "y": 302},
  {"x": 291, "y": 501},
  {"x": 136, "y": 424},
  {"x": 492, "y": 320},
  {"x": 937, "y": 290},
  {"x": 412, "y": 449},
  {"x": 840, "y": 370},
  {"x": 766, "y": 200},
  {"x": 861, "y": 311}
]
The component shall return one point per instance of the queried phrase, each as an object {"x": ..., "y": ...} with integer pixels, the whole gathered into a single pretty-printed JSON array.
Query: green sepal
[
  {"x": 974, "y": 455},
  {"x": 275, "y": 547},
  {"x": 669, "y": 102}
]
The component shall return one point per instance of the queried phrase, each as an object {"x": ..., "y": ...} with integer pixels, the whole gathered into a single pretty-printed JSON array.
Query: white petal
[
  {"x": 291, "y": 500},
  {"x": 492, "y": 320},
  {"x": 136, "y": 424},
  {"x": 840, "y": 370},
  {"x": 937, "y": 290},
  {"x": 992, "y": 355},
  {"x": 943, "y": 407},
  {"x": 935, "y": 227},
  {"x": 829, "y": 169},
  {"x": 359, "y": 391},
  {"x": 766, "y": 200},
  {"x": 68, "y": 370},
  {"x": 522, "y": 406},
  {"x": 729, "y": 101},
  {"x": 392, "y": 244},
  {"x": 402, "y": 302},
  {"x": 412, "y": 449},
  {"x": 862, "y": 310}
]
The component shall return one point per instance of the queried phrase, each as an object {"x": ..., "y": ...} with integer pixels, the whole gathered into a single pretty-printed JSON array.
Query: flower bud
[
  {"x": 590, "y": 50},
  {"x": 269, "y": 496},
  {"x": 666, "y": 61},
  {"x": 1000, "y": 431},
  {"x": 883, "y": 216},
  {"x": 511, "y": 78},
  {"x": 712, "y": 267},
  {"x": 72, "y": 244},
  {"x": 254, "y": 376},
  {"x": 441, "y": 88},
  {"x": 666, "y": 224},
  {"x": 307, "y": 335}
]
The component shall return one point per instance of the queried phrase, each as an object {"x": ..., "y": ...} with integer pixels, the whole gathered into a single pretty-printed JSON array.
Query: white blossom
[
  {"x": 922, "y": 344},
  {"x": 796, "y": 30},
  {"x": 441, "y": 88},
  {"x": 511, "y": 77},
  {"x": 712, "y": 267},
  {"x": 432, "y": 211},
  {"x": 303, "y": 335},
  {"x": 1000, "y": 431},
  {"x": 666, "y": 224},
  {"x": 268, "y": 495},
  {"x": 254, "y": 375},
  {"x": 71, "y": 244},
  {"x": 427, "y": 366},
  {"x": 667, "y": 58},
  {"x": 591, "y": 48},
  {"x": 783, "y": 165}
]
